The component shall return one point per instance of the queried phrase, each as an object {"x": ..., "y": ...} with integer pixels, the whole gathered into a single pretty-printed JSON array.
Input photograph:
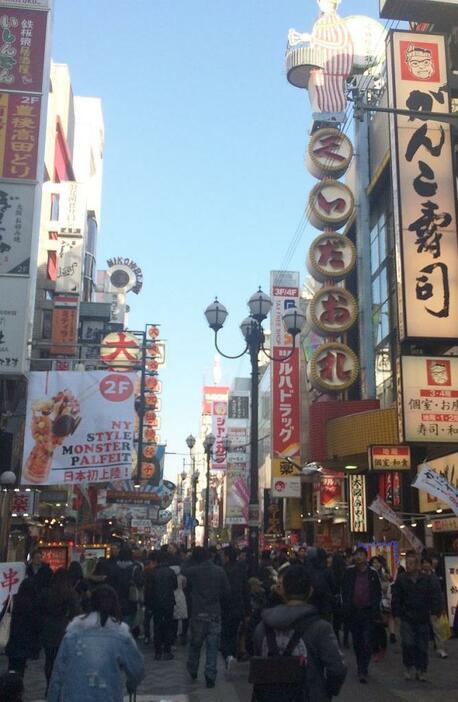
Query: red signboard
[
  {"x": 19, "y": 132},
  {"x": 55, "y": 556},
  {"x": 384, "y": 458},
  {"x": 22, "y": 49},
  {"x": 64, "y": 332}
]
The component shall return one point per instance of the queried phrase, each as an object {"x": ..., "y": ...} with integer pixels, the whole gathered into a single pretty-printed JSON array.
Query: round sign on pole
[
  {"x": 331, "y": 204},
  {"x": 332, "y": 311},
  {"x": 120, "y": 350},
  {"x": 329, "y": 153},
  {"x": 331, "y": 256},
  {"x": 334, "y": 367}
]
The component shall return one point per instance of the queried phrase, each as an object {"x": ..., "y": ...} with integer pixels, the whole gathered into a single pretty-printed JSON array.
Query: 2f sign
[{"x": 116, "y": 387}]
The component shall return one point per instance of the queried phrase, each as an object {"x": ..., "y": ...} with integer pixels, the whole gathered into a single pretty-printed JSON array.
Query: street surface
[{"x": 169, "y": 681}]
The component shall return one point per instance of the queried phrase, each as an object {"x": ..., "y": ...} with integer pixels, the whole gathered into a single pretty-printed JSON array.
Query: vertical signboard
[
  {"x": 357, "y": 500},
  {"x": 219, "y": 429},
  {"x": 451, "y": 585},
  {"x": 424, "y": 187},
  {"x": 237, "y": 494},
  {"x": 24, "y": 80},
  {"x": 286, "y": 438},
  {"x": 447, "y": 467},
  {"x": 64, "y": 326}
]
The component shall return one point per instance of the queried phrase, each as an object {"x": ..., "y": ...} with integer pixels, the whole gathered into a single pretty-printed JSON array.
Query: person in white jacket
[{"x": 180, "y": 612}]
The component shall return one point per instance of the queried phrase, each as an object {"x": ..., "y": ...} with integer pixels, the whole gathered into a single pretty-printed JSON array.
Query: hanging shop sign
[
  {"x": 237, "y": 494},
  {"x": 79, "y": 427},
  {"x": 428, "y": 398},
  {"x": 69, "y": 263},
  {"x": 331, "y": 204},
  {"x": 16, "y": 218},
  {"x": 19, "y": 145},
  {"x": 23, "y": 503},
  {"x": 446, "y": 525},
  {"x": 219, "y": 430},
  {"x": 334, "y": 367},
  {"x": 435, "y": 484},
  {"x": 152, "y": 462},
  {"x": 332, "y": 311},
  {"x": 388, "y": 458},
  {"x": 13, "y": 325},
  {"x": 451, "y": 585},
  {"x": 142, "y": 526},
  {"x": 55, "y": 556},
  {"x": 124, "y": 275},
  {"x": 382, "y": 509},
  {"x": 357, "y": 501},
  {"x": 23, "y": 49},
  {"x": 424, "y": 186},
  {"x": 120, "y": 350},
  {"x": 419, "y": 10},
  {"x": 329, "y": 153},
  {"x": 331, "y": 257},
  {"x": 447, "y": 467},
  {"x": 239, "y": 405},
  {"x": 64, "y": 333},
  {"x": 273, "y": 516},
  {"x": 11, "y": 576},
  {"x": 389, "y": 487},
  {"x": 286, "y": 486}
]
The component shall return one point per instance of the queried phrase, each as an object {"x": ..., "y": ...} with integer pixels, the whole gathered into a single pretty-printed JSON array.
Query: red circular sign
[{"x": 116, "y": 387}]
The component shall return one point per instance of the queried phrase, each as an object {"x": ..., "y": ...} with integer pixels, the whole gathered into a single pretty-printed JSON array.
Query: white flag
[
  {"x": 380, "y": 507},
  {"x": 438, "y": 486}
]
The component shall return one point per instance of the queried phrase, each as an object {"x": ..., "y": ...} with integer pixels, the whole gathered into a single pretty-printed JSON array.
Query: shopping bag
[
  {"x": 443, "y": 627},
  {"x": 5, "y": 624}
]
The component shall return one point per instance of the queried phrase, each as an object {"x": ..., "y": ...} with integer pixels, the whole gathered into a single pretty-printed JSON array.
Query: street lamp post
[
  {"x": 259, "y": 305},
  {"x": 7, "y": 480},
  {"x": 191, "y": 442},
  {"x": 208, "y": 445}
]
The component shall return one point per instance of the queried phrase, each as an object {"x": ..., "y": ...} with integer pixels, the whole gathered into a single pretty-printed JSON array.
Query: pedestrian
[
  {"x": 322, "y": 596},
  {"x": 162, "y": 598},
  {"x": 258, "y": 602},
  {"x": 58, "y": 605},
  {"x": 416, "y": 596},
  {"x": 11, "y": 687},
  {"x": 148, "y": 594},
  {"x": 267, "y": 573},
  {"x": 380, "y": 640},
  {"x": 39, "y": 571},
  {"x": 209, "y": 588},
  {"x": 439, "y": 640},
  {"x": 96, "y": 650},
  {"x": 337, "y": 574},
  {"x": 295, "y": 629},
  {"x": 126, "y": 577},
  {"x": 180, "y": 611},
  {"x": 24, "y": 641},
  {"x": 79, "y": 584},
  {"x": 237, "y": 606},
  {"x": 362, "y": 594}
]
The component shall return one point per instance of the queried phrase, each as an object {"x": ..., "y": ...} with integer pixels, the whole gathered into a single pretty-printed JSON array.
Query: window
[
  {"x": 54, "y": 214},
  {"x": 46, "y": 324},
  {"x": 52, "y": 265}
]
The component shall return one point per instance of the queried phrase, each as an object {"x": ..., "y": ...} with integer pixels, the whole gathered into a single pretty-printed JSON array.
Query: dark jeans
[
  {"x": 163, "y": 630},
  {"x": 208, "y": 631},
  {"x": 17, "y": 665},
  {"x": 148, "y": 615},
  {"x": 414, "y": 642},
  {"x": 229, "y": 636},
  {"x": 361, "y": 627}
]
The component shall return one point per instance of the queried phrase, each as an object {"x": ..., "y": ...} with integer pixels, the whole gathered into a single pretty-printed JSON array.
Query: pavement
[{"x": 169, "y": 681}]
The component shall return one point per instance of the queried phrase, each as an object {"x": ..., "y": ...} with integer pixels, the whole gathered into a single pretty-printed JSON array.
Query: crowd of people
[{"x": 291, "y": 616}]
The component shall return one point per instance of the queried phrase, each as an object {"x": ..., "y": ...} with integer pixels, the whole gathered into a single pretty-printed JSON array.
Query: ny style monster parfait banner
[{"x": 79, "y": 427}]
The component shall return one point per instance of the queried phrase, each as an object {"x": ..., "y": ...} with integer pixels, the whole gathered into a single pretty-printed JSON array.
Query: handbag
[
  {"x": 5, "y": 624},
  {"x": 443, "y": 627}
]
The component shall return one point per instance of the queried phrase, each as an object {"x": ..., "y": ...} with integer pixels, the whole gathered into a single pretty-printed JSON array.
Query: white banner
[
  {"x": 380, "y": 507},
  {"x": 287, "y": 487},
  {"x": 79, "y": 427},
  {"x": 69, "y": 264},
  {"x": 11, "y": 576},
  {"x": 14, "y": 305},
  {"x": 16, "y": 221},
  {"x": 451, "y": 585},
  {"x": 435, "y": 484}
]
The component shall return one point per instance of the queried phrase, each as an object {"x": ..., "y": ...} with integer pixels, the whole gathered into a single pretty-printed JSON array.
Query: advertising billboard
[
  {"x": 447, "y": 467},
  {"x": 19, "y": 135},
  {"x": 219, "y": 429},
  {"x": 79, "y": 427},
  {"x": 424, "y": 186},
  {"x": 23, "y": 49},
  {"x": 16, "y": 221},
  {"x": 13, "y": 325}
]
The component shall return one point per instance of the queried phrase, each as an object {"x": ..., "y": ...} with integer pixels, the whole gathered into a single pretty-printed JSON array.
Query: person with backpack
[
  {"x": 297, "y": 657},
  {"x": 126, "y": 578}
]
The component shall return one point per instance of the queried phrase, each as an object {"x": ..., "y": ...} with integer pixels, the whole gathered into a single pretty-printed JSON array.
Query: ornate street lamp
[
  {"x": 208, "y": 444},
  {"x": 259, "y": 305},
  {"x": 191, "y": 442}
]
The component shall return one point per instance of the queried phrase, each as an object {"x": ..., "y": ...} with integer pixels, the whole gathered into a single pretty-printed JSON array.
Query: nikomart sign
[{"x": 424, "y": 187}]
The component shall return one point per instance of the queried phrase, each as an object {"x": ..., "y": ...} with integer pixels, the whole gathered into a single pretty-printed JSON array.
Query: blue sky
[{"x": 204, "y": 182}]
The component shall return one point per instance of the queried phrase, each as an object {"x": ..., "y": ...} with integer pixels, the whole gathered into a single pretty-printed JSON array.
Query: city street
[{"x": 169, "y": 682}]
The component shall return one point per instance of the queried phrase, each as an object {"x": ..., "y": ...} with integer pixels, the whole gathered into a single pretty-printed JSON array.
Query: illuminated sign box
[{"x": 419, "y": 10}]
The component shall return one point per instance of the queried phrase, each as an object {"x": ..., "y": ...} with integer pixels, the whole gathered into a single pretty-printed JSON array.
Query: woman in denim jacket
[{"x": 95, "y": 651}]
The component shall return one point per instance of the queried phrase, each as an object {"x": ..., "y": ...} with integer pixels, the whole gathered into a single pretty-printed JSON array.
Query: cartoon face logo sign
[
  {"x": 420, "y": 61},
  {"x": 439, "y": 372}
]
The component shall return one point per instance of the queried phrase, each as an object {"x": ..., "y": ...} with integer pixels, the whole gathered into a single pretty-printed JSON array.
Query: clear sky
[{"x": 204, "y": 182}]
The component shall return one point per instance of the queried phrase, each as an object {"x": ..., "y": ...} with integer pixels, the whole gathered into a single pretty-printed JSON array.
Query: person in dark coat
[
  {"x": 24, "y": 641},
  {"x": 237, "y": 607},
  {"x": 79, "y": 584},
  {"x": 415, "y": 597},
  {"x": 326, "y": 669},
  {"x": 39, "y": 571},
  {"x": 321, "y": 577},
  {"x": 163, "y": 584},
  {"x": 362, "y": 594},
  {"x": 125, "y": 576},
  {"x": 58, "y": 605}
]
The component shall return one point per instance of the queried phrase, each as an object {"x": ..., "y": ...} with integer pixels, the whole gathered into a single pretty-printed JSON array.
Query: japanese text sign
[
  {"x": 383, "y": 458},
  {"x": 380, "y": 507},
  {"x": 424, "y": 187},
  {"x": 357, "y": 500},
  {"x": 79, "y": 427},
  {"x": 436, "y": 484},
  {"x": 16, "y": 213},
  {"x": 429, "y": 399},
  {"x": 447, "y": 466},
  {"x": 219, "y": 429},
  {"x": 22, "y": 49},
  {"x": 19, "y": 133},
  {"x": 11, "y": 576},
  {"x": 55, "y": 556},
  {"x": 13, "y": 324},
  {"x": 64, "y": 330},
  {"x": 451, "y": 585}
]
